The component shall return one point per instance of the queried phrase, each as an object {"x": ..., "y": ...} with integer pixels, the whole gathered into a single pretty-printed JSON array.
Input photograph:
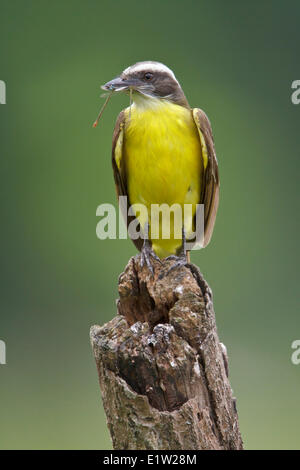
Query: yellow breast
[{"x": 163, "y": 161}]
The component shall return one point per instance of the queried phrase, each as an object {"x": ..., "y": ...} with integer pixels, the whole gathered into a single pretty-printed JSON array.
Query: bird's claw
[
  {"x": 145, "y": 258},
  {"x": 180, "y": 260}
]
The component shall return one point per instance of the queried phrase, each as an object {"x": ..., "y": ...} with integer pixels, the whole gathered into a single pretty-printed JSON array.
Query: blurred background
[{"x": 235, "y": 60}]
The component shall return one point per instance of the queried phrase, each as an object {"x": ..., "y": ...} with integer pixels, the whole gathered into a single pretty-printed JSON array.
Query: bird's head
[{"x": 149, "y": 80}]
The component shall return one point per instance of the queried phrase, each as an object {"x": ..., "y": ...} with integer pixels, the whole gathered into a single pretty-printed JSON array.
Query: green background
[{"x": 237, "y": 61}]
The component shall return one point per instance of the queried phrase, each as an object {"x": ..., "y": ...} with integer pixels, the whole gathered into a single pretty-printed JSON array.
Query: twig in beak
[
  {"x": 130, "y": 102},
  {"x": 102, "y": 109}
]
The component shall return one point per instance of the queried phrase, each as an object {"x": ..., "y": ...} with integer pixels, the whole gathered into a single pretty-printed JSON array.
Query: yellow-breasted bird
[{"x": 163, "y": 152}]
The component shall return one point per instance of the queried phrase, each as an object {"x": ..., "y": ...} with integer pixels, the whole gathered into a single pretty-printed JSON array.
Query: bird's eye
[{"x": 148, "y": 75}]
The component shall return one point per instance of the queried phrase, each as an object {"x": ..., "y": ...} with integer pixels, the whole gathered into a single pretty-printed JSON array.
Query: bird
[{"x": 163, "y": 152}]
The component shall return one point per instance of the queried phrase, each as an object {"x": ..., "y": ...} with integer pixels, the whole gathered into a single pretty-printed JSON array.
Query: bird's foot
[
  {"x": 180, "y": 260},
  {"x": 146, "y": 257}
]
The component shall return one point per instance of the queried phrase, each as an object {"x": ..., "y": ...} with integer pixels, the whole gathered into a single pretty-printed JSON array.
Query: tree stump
[{"x": 163, "y": 372}]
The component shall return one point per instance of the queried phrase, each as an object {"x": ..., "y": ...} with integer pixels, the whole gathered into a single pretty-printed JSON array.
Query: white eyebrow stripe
[{"x": 150, "y": 66}]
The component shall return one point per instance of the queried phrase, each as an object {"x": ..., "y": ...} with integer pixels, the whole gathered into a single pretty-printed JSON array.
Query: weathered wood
[{"x": 162, "y": 369}]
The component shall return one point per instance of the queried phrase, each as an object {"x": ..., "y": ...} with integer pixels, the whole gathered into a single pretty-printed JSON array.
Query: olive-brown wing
[
  {"x": 119, "y": 171},
  {"x": 210, "y": 184}
]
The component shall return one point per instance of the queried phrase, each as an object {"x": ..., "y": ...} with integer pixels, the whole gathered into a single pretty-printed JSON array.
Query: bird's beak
[{"x": 120, "y": 84}]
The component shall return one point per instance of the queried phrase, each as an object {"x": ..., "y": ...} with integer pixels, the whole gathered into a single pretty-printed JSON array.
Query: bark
[{"x": 163, "y": 372}]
